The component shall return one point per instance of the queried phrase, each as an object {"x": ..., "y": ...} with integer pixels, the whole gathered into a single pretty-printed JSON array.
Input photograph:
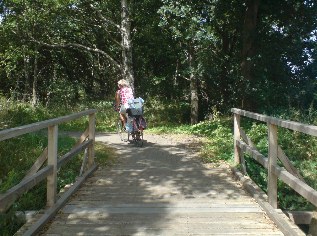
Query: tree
[{"x": 187, "y": 22}]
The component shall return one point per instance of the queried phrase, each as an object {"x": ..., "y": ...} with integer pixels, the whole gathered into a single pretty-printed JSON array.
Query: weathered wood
[
  {"x": 91, "y": 132},
  {"x": 52, "y": 160},
  {"x": 287, "y": 164},
  {"x": 286, "y": 227},
  {"x": 272, "y": 178},
  {"x": 50, "y": 213},
  {"x": 236, "y": 123},
  {"x": 14, "y": 132},
  {"x": 14, "y": 193},
  {"x": 161, "y": 190},
  {"x": 299, "y": 186},
  {"x": 313, "y": 225},
  {"x": 83, "y": 164},
  {"x": 82, "y": 138},
  {"x": 254, "y": 154},
  {"x": 246, "y": 139},
  {"x": 292, "y": 125},
  {"x": 38, "y": 163},
  {"x": 66, "y": 157}
]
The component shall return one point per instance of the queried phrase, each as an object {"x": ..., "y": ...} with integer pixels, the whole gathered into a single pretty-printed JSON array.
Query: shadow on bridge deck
[{"x": 160, "y": 189}]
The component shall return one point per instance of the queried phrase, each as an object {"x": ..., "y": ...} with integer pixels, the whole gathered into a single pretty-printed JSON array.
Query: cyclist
[{"x": 123, "y": 95}]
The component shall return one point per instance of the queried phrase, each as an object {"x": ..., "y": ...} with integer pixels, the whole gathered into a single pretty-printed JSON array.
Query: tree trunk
[
  {"x": 248, "y": 50},
  {"x": 27, "y": 78},
  {"x": 127, "y": 67},
  {"x": 193, "y": 89},
  {"x": 34, "y": 85}
]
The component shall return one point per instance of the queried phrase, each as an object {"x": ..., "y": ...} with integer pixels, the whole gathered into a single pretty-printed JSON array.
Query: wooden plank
[
  {"x": 272, "y": 158},
  {"x": 285, "y": 225},
  {"x": 254, "y": 154},
  {"x": 51, "y": 190},
  {"x": 299, "y": 186},
  {"x": 14, "y": 132},
  {"x": 236, "y": 123},
  {"x": 83, "y": 164},
  {"x": 287, "y": 164},
  {"x": 91, "y": 134},
  {"x": 65, "y": 158},
  {"x": 38, "y": 163},
  {"x": 292, "y": 125},
  {"x": 14, "y": 193},
  {"x": 51, "y": 212},
  {"x": 247, "y": 140}
]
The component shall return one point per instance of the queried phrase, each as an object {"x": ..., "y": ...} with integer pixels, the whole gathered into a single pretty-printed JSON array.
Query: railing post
[
  {"x": 236, "y": 123},
  {"x": 52, "y": 160},
  {"x": 272, "y": 178},
  {"x": 91, "y": 136}
]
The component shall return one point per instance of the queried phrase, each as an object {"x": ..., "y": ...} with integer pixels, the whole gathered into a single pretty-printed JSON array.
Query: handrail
[
  {"x": 289, "y": 175},
  {"x": 35, "y": 176},
  {"x": 14, "y": 132}
]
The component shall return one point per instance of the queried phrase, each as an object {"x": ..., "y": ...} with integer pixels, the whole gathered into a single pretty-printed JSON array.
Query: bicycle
[{"x": 135, "y": 124}]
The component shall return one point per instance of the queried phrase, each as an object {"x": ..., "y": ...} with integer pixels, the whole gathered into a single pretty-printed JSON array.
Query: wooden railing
[
  {"x": 37, "y": 174},
  {"x": 288, "y": 174}
]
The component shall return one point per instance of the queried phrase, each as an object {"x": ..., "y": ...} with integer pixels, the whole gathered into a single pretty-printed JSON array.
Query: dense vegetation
[{"x": 192, "y": 61}]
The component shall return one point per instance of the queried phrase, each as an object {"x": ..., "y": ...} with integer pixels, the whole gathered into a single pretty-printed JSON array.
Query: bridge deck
[{"x": 160, "y": 189}]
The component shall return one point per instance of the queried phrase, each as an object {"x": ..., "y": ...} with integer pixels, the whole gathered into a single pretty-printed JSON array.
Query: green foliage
[
  {"x": 220, "y": 141},
  {"x": 162, "y": 112},
  {"x": 17, "y": 155}
]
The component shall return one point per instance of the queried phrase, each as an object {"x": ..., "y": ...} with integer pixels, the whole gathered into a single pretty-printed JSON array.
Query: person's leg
[{"x": 123, "y": 119}]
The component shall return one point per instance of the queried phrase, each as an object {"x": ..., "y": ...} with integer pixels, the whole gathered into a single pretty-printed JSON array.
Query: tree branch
[{"x": 80, "y": 46}]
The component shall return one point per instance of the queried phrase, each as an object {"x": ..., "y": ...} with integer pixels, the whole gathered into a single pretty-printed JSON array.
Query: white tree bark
[{"x": 127, "y": 66}]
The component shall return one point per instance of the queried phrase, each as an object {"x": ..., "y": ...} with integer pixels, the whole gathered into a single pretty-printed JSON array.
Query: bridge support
[
  {"x": 272, "y": 178},
  {"x": 91, "y": 136},
  {"x": 52, "y": 160},
  {"x": 236, "y": 123}
]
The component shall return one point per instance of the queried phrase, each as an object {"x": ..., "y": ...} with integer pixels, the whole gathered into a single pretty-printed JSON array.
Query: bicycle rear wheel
[{"x": 121, "y": 132}]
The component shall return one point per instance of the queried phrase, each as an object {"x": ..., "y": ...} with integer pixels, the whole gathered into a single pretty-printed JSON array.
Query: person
[{"x": 122, "y": 96}]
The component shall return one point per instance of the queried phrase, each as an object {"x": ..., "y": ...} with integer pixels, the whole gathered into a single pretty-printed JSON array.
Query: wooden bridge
[{"x": 159, "y": 189}]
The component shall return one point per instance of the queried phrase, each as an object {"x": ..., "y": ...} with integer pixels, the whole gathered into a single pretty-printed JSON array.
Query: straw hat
[{"x": 123, "y": 83}]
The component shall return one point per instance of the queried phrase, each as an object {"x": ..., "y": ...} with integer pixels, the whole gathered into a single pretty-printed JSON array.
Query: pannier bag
[{"x": 136, "y": 106}]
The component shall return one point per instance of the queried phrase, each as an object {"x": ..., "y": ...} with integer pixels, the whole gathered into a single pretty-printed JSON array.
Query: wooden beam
[
  {"x": 246, "y": 139},
  {"x": 292, "y": 125},
  {"x": 82, "y": 138},
  {"x": 282, "y": 222},
  {"x": 272, "y": 158},
  {"x": 255, "y": 154},
  {"x": 65, "y": 158},
  {"x": 14, "y": 132},
  {"x": 51, "y": 212},
  {"x": 236, "y": 123},
  {"x": 287, "y": 164},
  {"x": 299, "y": 186},
  {"x": 91, "y": 148},
  {"x": 38, "y": 163},
  {"x": 14, "y": 193},
  {"x": 52, "y": 160}
]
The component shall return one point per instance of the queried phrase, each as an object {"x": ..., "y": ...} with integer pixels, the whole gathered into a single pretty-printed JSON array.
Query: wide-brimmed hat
[{"x": 123, "y": 83}]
